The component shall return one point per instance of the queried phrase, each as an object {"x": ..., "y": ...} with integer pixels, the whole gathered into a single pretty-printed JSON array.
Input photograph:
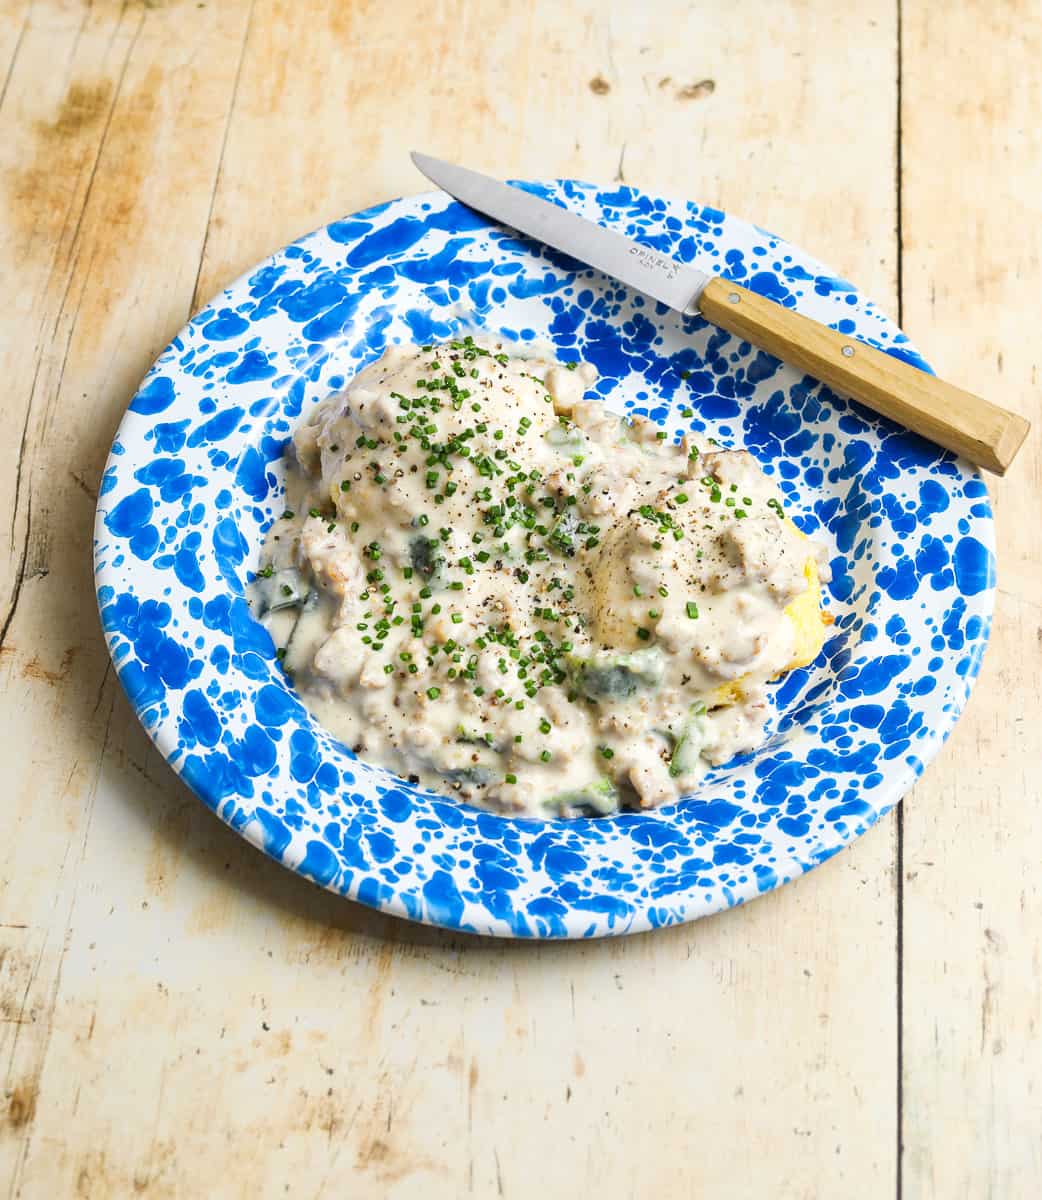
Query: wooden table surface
[{"x": 181, "y": 1016}]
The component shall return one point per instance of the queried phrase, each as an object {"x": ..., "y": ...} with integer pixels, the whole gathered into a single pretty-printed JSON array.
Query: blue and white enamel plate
[{"x": 194, "y": 478}]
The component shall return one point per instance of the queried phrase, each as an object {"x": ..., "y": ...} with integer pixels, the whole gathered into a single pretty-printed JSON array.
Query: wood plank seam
[
  {"x": 899, "y": 818},
  {"x": 194, "y": 304},
  {"x": 14, "y": 56}
]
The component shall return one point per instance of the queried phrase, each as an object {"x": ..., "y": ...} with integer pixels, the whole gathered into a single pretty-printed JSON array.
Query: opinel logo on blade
[{"x": 653, "y": 261}]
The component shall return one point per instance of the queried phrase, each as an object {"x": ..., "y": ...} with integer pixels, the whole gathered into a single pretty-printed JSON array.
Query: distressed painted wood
[
  {"x": 971, "y": 894},
  {"x": 109, "y": 134},
  {"x": 178, "y": 1016}
]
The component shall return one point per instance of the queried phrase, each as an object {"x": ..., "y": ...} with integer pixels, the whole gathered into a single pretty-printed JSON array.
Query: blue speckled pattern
[{"x": 194, "y": 478}]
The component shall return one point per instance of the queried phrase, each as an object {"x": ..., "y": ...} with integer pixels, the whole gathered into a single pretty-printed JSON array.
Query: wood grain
[
  {"x": 182, "y": 1017},
  {"x": 107, "y": 115},
  {"x": 971, "y": 895},
  {"x": 980, "y": 431}
]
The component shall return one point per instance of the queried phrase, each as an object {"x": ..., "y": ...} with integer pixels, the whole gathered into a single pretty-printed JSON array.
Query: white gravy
[{"x": 488, "y": 584}]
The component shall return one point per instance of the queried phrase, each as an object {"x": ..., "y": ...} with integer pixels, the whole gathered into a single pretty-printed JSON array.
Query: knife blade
[
  {"x": 656, "y": 275},
  {"x": 966, "y": 424}
]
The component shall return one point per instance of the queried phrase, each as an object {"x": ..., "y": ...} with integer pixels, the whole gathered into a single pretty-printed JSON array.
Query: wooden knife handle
[{"x": 975, "y": 428}]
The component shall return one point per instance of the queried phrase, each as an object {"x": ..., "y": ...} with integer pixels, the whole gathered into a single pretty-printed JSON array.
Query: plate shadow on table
[
  {"x": 154, "y": 795},
  {"x": 136, "y": 780}
]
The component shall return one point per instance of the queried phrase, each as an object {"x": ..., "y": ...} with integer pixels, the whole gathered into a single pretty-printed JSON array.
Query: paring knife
[{"x": 975, "y": 428}]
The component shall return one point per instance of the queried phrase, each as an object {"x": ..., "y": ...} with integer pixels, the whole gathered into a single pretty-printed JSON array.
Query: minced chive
[
  {"x": 692, "y": 609},
  {"x": 433, "y": 693}
]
